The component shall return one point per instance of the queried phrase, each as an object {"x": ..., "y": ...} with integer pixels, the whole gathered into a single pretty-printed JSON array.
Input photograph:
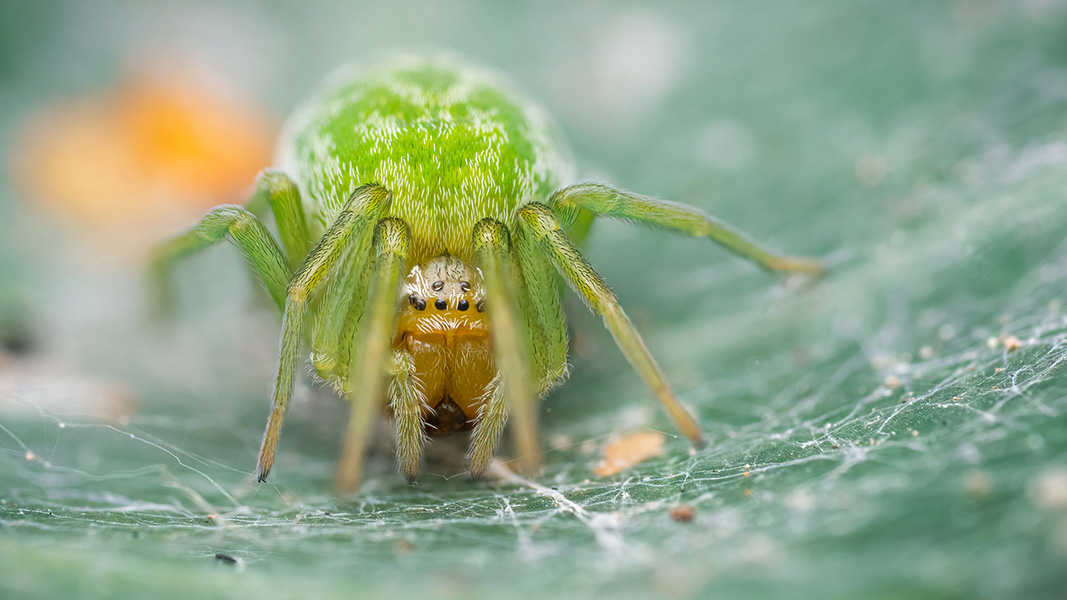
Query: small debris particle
[
  {"x": 892, "y": 382},
  {"x": 683, "y": 513},
  {"x": 1048, "y": 490},
  {"x": 926, "y": 353},
  {"x": 978, "y": 484},
  {"x": 992, "y": 342},
  {"x": 955, "y": 398},
  {"x": 914, "y": 433},
  {"x": 998, "y": 369},
  {"x": 327, "y": 513},
  {"x": 225, "y": 558},
  {"x": 627, "y": 451},
  {"x": 748, "y": 493},
  {"x": 745, "y": 474},
  {"x": 1012, "y": 343},
  {"x": 30, "y": 455},
  {"x": 834, "y": 446}
]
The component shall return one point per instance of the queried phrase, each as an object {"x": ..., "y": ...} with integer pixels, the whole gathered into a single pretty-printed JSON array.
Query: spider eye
[
  {"x": 465, "y": 286},
  {"x": 438, "y": 286},
  {"x": 480, "y": 307},
  {"x": 440, "y": 304},
  {"x": 463, "y": 305},
  {"x": 417, "y": 302}
]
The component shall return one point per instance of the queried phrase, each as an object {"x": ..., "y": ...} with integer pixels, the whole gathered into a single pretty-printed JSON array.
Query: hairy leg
[
  {"x": 240, "y": 225},
  {"x": 607, "y": 201},
  {"x": 542, "y": 225},
  {"x": 406, "y": 398},
  {"x": 269, "y": 263},
  {"x": 276, "y": 190},
  {"x": 338, "y": 316},
  {"x": 392, "y": 239},
  {"x": 492, "y": 248},
  {"x": 540, "y": 304},
  {"x": 353, "y": 228}
]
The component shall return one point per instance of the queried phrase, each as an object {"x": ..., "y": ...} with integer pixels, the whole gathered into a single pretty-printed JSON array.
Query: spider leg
[
  {"x": 270, "y": 264},
  {"x": 406, "y": 399},
  {"x": 352, "y": 228},
  {"x": 543, "y": 226},
  {"x": 611, "y": 202},
  {"x": 276, "y": 190},
  {"x": 338, "y": 317},
  {"x": 492, "y": 417},
  {"x": 245, "y": 229},
  {"x": 539, "y": 302},
  {"x": 392, "y": 238},
  {"x": 492, "y": 248}
]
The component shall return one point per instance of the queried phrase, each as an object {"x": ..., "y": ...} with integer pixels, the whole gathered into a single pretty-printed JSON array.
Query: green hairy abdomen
[{"x": 450, "y": 141}]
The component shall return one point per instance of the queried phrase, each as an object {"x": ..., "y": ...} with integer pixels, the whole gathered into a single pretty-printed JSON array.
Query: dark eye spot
[
  {"x": 465, "y": 286},
  {"x": 438, "y": 286},
  {"x": 480, "y": 306},
  {"x": 417, "y": 302},
  {"x": 463, "y": 305},
  {"x": 440, "y": 304}
]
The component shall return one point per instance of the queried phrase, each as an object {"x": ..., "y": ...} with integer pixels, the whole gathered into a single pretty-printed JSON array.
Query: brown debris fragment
[
  {"x": 683, "y": 513},
  {"x": 628, "y": 450}
]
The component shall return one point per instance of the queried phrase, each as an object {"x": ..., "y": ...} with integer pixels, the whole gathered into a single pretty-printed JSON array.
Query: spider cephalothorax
[{"x": 444, "y": 329}]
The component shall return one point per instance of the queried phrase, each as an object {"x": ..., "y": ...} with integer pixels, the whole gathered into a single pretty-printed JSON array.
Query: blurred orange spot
[
  {"x": 144, "y": 154},
  {"x": 629, "y": 450}
]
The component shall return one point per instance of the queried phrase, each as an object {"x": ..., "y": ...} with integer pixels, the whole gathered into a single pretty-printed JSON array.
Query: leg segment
[
  {"x": 352, "y": 229},
  {"x": 281, "y": 194},
  {"x": 406, "y": 398},
  {"x": 392, "y": 238},
  {"x": 245, "y": 229},
  {"x": 540, "y": 304},
  {"x": 492, "y": 417},
  {"x": 274, "y": 268},
  {"x": 542, "y": 225},
  {"x": 612, "y": 202},
  {"x": 492, "y": 248},
  {"x": 338, "y": 316}
]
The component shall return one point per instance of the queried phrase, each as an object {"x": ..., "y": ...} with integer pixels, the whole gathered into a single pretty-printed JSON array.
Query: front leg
[
  {"x": 406, "y": 399},
  {"x": 392, "y": 239},
  {"x": 511, "y": 352},
  {"x": 352, "y": 229}
]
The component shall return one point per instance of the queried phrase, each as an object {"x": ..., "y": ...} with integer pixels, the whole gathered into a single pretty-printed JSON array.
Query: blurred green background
[{"x": 893, "y": 430}]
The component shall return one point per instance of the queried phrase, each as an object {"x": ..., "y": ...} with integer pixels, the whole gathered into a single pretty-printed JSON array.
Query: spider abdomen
[{"x": 449, "y": 140}]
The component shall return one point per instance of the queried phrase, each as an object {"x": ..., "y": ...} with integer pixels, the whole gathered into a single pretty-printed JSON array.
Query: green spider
[{"x": 424, "y": 232}]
